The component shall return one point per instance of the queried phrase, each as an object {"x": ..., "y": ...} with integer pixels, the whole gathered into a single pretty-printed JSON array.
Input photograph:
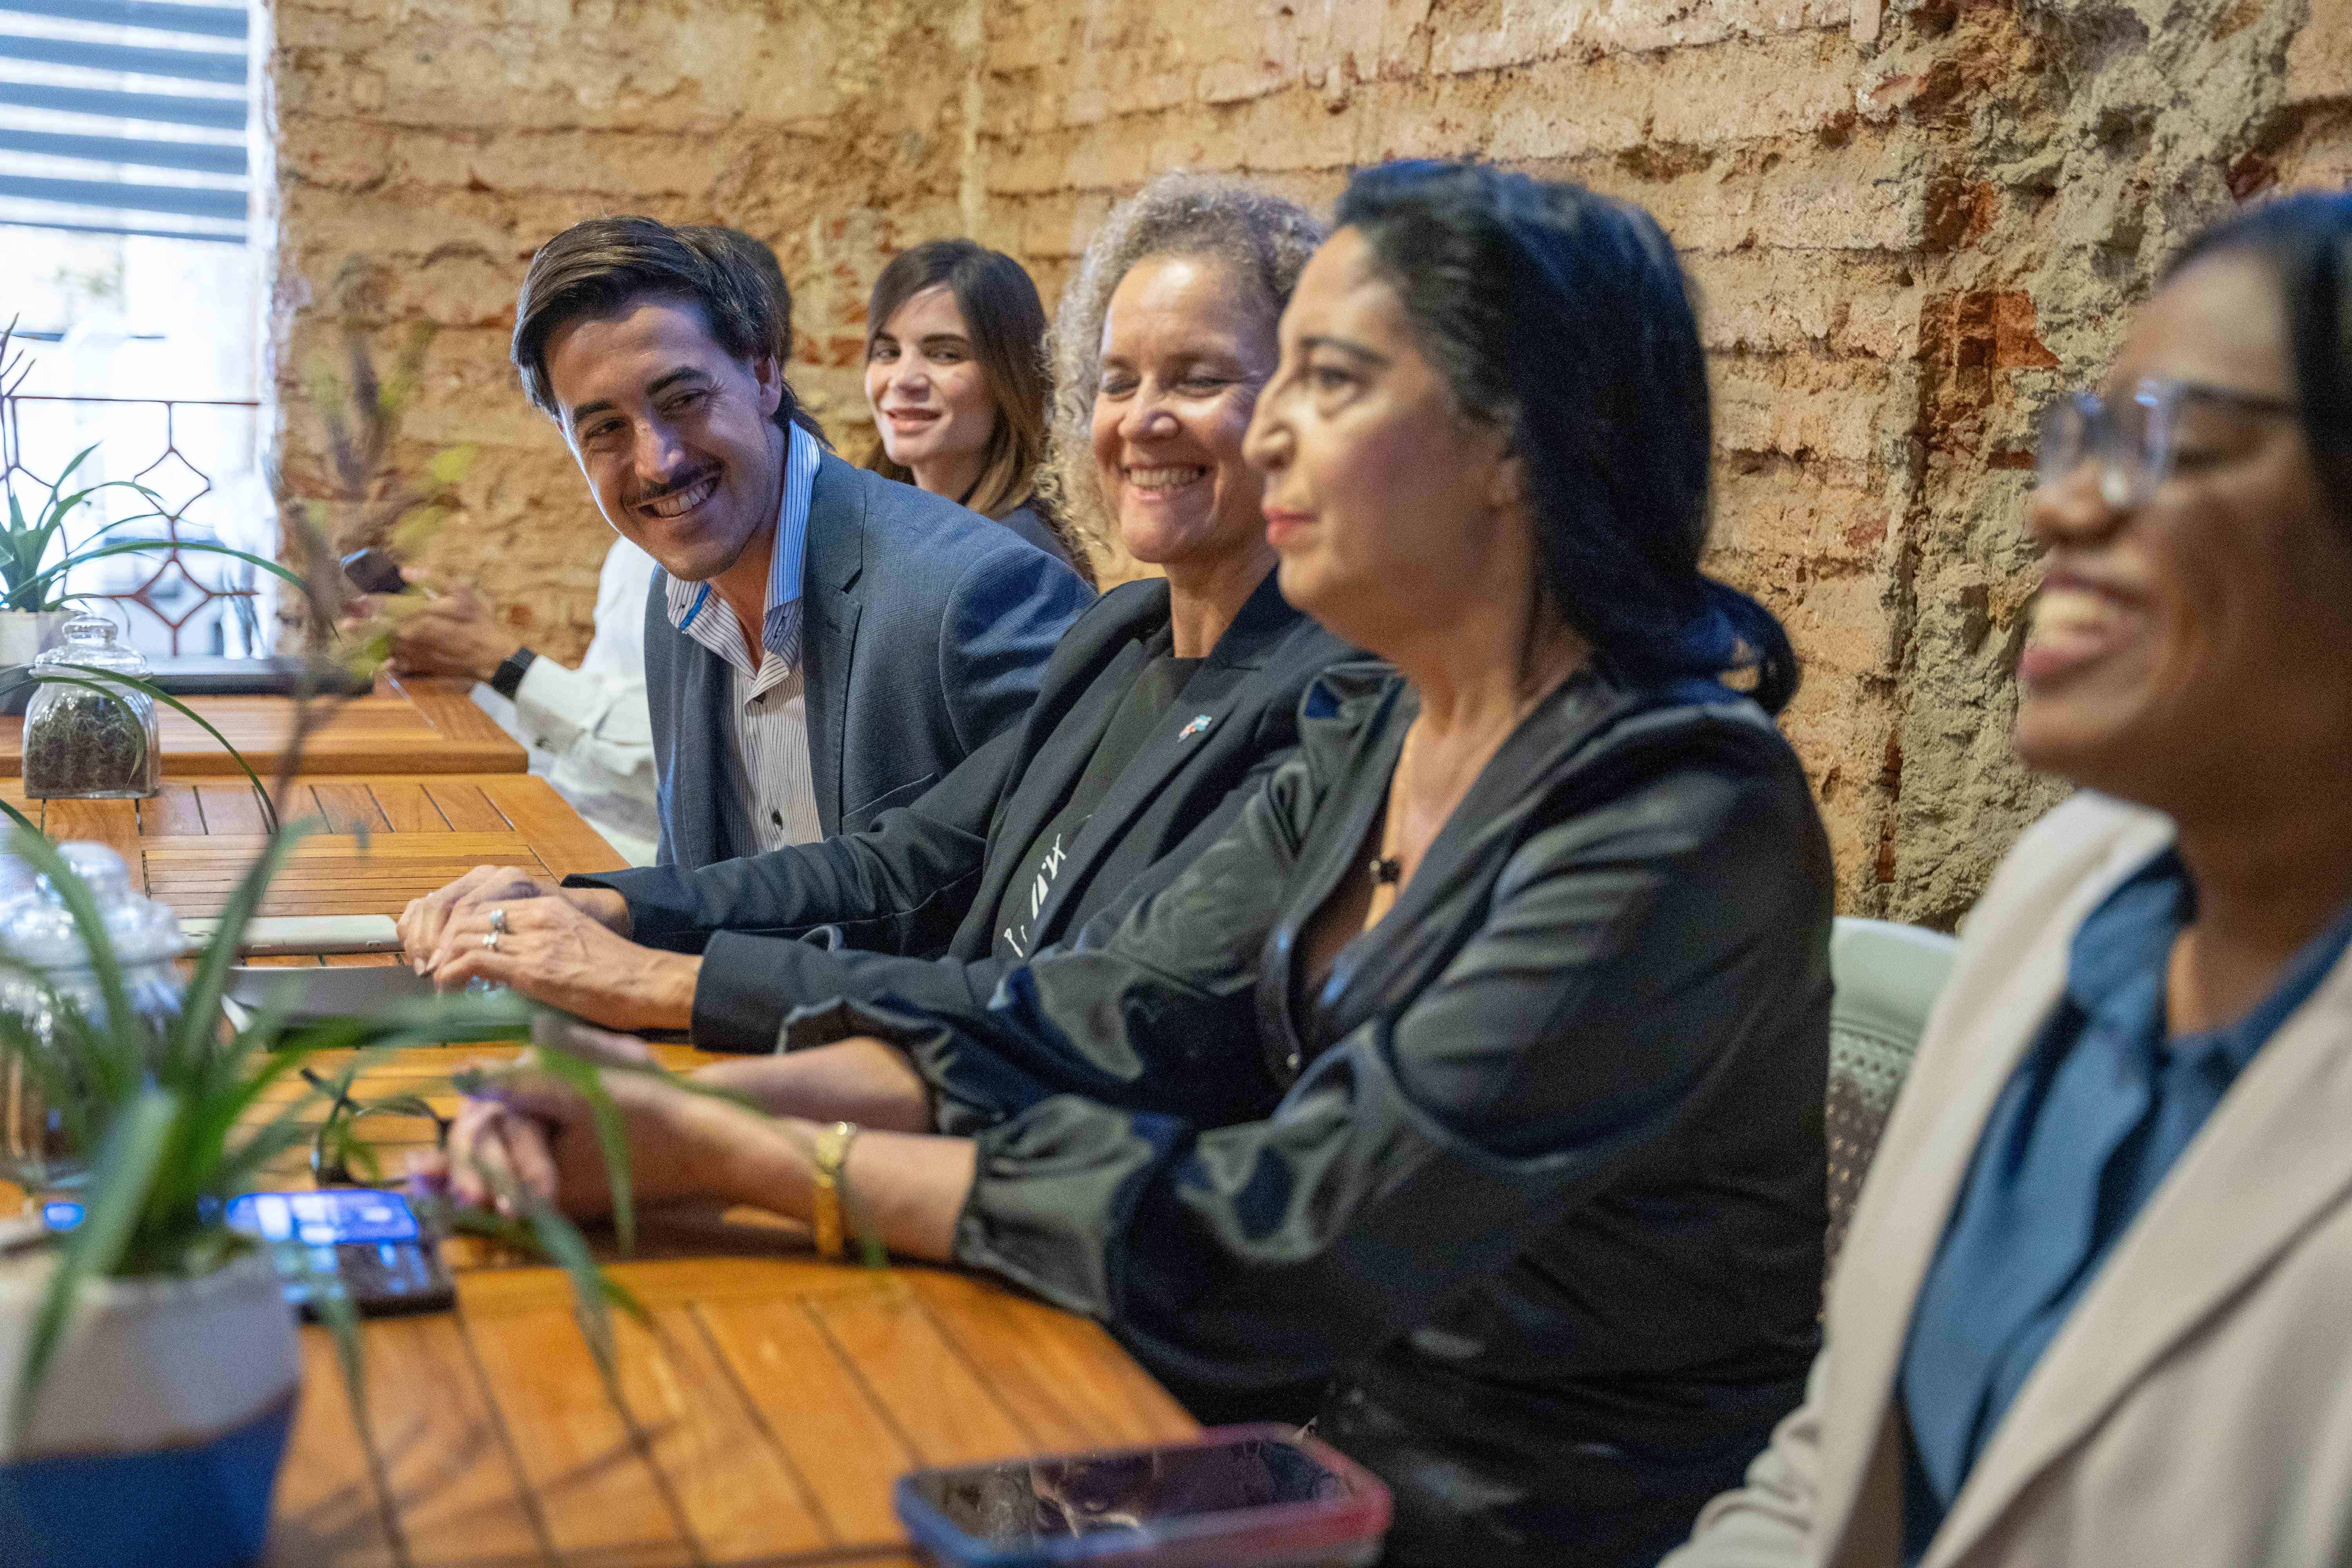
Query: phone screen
[
  {"x": 359, "y": 1242},
  {"x": 325, "y": 1218},
  {"x": 1028, "y": 1503}
]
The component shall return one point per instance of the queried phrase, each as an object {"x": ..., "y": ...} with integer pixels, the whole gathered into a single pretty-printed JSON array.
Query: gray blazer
[{"x": 924, "y": 628}]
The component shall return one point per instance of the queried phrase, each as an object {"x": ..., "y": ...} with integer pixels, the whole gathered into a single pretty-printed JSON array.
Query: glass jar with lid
[
  {"x": 87, "y": 737},
  {"x": 37, "y": 1148}
]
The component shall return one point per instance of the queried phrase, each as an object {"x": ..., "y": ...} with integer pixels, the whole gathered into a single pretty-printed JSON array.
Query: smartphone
[
  {"x": 371, "y": 570},
  {"x": 1239, "y": 1497},
  {"x": 361, "y": 1243}
]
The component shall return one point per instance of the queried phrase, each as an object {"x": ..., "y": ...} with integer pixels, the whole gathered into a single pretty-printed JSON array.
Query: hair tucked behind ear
[
  {"x": 1561, "y": 318},
  {"x": 2307, "y": 241}
]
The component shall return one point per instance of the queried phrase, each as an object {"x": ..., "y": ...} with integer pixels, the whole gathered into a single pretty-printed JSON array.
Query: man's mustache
[{"x": 676, "y": 487}]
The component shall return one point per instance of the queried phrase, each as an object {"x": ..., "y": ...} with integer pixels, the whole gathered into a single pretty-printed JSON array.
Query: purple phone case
[{"x": 1345, "y": 1530}]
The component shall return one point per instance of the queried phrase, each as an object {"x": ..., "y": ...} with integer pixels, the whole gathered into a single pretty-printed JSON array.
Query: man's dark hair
[{"x": 597, "y": 267}]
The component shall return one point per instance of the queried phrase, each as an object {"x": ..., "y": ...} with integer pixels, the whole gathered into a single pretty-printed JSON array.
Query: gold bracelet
[{"x": 831, "y": 1153}]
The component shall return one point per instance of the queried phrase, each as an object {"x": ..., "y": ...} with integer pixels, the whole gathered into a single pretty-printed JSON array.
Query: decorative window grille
[{"x": 124, "y": 117}]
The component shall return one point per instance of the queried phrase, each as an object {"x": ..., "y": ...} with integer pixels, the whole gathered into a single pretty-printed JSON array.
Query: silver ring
[
  {"x": 498, "y": 920},
  {"x": 489, "y": 942}
]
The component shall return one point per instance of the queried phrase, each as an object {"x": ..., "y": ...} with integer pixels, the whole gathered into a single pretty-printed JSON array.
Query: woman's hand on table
[
  {"x": 553, "y": 951},
  {"x": 424, "y": 921},
  {"x": 524, "y": 1133}
]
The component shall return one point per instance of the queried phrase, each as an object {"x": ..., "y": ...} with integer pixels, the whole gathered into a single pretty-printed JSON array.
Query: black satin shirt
[{"x": 1551, "y": 1130}]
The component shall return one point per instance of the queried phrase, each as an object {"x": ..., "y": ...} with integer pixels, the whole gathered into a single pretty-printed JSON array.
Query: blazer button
[{"x": 1291, "y": 1062}]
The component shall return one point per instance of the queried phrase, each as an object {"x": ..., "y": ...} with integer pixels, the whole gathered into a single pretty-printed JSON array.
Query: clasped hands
[
  {"x": 736, "y": 1131},
  {"x": 567, "y": 947}
]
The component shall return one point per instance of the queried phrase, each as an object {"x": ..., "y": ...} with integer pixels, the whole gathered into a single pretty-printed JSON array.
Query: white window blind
[{"x": 124, "y": 117}]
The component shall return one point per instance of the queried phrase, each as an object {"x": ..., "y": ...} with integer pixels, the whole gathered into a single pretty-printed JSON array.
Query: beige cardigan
[{"x": 2196, "y": 1408}]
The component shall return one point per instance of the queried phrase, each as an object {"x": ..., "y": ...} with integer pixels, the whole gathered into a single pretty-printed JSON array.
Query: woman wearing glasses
[{"x": 2094, "y": 1306}]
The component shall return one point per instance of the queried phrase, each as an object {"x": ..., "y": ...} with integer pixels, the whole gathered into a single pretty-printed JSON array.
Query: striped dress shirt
[{"x": 770, "y": 706}]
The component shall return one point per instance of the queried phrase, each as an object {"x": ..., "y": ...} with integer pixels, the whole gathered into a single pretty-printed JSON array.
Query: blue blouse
[{"x": 2079, "y": 1140}]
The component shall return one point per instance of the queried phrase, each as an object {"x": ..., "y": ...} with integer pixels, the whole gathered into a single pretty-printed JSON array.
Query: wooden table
[
  {"x": 761, "y": 1417},
  {"x": 390, "y": 838},
  {"x": 763, "y": 1414},
  {"x": 421, "y": 727}
]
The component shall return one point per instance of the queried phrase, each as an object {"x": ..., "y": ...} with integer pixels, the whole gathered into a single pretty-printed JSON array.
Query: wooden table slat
[
  {"x": 846, "y": 1450},
  {"x": 456, "y": 1490},
  {"x": 586, "y": 1470},
  {"x": 350, "y": 808},
  {"x": 407, "y": 807},
  {"x": 739, "y": 1496},
  {"x": 328, "y": 1506},
  {"x": 176, "y": 810},
  {"x": 1048, "y": 1370},
  {"x": 465, "y": 807},
  {"x": 230, "y": 808},
  {"x": 926, "y": 1391}
]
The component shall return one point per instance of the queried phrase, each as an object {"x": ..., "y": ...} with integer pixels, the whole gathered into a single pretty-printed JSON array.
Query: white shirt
[
  {"x": 770, "y": 706},
  {"x": 588, "y": 730}
]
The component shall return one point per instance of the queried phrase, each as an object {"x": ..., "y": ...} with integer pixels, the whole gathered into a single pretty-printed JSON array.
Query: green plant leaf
[
  {"x": 111, "y": 1204},
  {"x": 200, "y": 1009},
  {"x": 105, "y": 966},
  {"x": 612, "y": 1137},
  {"x": 21, "y": 820}
]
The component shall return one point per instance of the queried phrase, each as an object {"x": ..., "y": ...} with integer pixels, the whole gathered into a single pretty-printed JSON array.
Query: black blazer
[
  {"x": 924, "y": 630},
  {"x": 1534, "y": 1175},
  {"x": 924, "y": 882}
]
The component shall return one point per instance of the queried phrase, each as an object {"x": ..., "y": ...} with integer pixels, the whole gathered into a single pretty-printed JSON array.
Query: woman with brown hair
[{"x": 955, "y": 375}]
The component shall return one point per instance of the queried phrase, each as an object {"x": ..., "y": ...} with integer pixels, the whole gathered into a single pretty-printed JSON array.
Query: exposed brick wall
[
  {"x": 1911, "y": 225},
  {"x": 444, "y": 140}
]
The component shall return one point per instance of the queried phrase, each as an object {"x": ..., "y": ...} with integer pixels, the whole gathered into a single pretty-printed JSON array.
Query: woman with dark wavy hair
[{"x": 1467, "y": 1094}]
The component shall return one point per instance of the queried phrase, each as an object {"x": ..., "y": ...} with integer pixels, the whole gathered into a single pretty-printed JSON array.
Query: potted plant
[{"x": 148, "y": 1364}]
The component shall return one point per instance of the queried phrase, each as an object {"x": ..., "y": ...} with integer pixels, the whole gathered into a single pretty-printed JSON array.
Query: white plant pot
[
  {"x": 24, "y": 633},
  {"x": 159, "y": 1427}
]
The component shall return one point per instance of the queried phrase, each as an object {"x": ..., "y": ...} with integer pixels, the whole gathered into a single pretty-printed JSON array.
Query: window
[{"x": 126, "y": 259}]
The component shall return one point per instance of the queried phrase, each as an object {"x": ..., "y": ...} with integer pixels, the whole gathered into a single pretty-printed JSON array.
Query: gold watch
[{"x": 830, "y": 1154}]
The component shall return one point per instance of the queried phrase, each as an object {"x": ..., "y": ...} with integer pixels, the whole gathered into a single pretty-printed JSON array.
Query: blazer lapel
[
  {"x": 833, "y": 597},
  {"x": 1211, "y": 694},
  {"x": 1045, "y": 782},
  {"x": 1914, "y": 1181},
  {"x": 2273, "y": 1155}
]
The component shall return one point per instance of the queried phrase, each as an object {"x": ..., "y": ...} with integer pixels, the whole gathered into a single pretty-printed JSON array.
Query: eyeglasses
[
  {"x": 331, "y": 1145},
  {"x": 2132, "y": 438}
]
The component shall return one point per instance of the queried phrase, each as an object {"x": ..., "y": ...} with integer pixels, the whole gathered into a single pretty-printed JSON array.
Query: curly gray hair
[{"x": 1265, "y": 239}]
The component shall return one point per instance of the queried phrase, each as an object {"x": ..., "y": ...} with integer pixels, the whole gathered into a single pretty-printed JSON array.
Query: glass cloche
[{"x": 88, "y": 738}]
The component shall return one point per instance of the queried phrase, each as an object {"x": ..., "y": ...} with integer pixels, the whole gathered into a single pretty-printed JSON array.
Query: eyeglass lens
[{"x": 2126, "y": 437}]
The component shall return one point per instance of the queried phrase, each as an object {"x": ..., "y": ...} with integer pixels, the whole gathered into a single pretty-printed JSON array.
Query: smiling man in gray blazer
[{"x": 821, "y": 644}]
